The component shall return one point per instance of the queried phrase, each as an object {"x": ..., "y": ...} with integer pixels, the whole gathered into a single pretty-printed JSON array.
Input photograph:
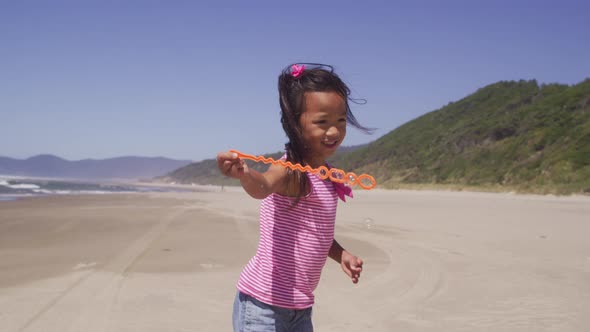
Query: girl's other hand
[
  {"x": 231, "y": 165},
  {"x": 352, "y": 266}
]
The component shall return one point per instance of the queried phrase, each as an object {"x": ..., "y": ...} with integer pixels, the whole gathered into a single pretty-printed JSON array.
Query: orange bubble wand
[{"x": 365, "y": 181}]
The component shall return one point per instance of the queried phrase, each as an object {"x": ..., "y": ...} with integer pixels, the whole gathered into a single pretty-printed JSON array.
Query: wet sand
[{"x": 434, "y": 261}]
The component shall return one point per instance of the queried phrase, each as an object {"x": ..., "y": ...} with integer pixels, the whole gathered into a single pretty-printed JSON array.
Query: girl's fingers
[
  {"x": 227, "y": 167},
  {"x": 231, "y": 155},
  {"x": 227, "y": 160},
  {"x": 221, "y": 156}
]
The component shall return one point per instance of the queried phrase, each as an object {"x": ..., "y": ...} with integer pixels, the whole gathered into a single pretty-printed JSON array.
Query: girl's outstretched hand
[
  {"x": 351, "y": 265},
  {"x": 231, "y": 165}
]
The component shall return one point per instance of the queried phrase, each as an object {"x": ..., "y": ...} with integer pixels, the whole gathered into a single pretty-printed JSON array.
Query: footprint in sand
[
  {"x": 83, "y": 265},
  {"x": 369, "y": 223},
  {"x": 209, "y": 266}
]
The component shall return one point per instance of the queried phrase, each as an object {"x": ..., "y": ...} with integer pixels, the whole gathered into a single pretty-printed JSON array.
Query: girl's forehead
[{"x": 325, "y": 101}]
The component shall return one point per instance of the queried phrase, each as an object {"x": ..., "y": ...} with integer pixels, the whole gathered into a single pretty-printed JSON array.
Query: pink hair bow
[
  {"x": 343, "y": 190},
  {"x": 297, "y": 70}
]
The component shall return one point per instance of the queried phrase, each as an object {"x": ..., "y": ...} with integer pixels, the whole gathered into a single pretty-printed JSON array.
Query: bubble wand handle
[{"x": 365, "y": 181}]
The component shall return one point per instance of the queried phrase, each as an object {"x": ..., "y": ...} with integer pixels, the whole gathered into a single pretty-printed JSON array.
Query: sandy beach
[{"x": 434, "y": 261}]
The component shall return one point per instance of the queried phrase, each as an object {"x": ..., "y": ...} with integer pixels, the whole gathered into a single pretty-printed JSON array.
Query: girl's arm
[
  {"x": 256, "y": 184},
  {"x": 351, "y": 265}
]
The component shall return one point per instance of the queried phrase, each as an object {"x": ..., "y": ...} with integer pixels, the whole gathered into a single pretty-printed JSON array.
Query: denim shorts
[{"x": 252, "y": 315}]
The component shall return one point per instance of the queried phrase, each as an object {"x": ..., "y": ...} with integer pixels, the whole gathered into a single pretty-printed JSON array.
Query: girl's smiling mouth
[{"x": 330, "y": 144}]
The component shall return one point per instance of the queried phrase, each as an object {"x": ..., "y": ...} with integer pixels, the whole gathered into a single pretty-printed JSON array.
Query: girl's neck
[{"x": 315, "y": 162}]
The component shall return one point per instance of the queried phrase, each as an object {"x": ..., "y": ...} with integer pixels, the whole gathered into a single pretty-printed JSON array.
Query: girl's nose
[{"x": 333, "y": 132}]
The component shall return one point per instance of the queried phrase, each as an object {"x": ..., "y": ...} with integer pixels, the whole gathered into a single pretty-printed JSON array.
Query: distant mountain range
[
  {"x": 510, "y": 135},
  {"x": 114, "y": 168}
]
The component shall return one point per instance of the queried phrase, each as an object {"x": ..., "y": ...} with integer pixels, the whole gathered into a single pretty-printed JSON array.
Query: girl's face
[{"x": 323, "y": 125}]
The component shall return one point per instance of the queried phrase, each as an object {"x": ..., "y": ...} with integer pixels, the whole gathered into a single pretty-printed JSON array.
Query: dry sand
[{"x": 434, "y": 261}]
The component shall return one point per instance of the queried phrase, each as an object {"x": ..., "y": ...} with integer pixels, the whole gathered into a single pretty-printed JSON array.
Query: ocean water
[{"x": 12, "y": 188}]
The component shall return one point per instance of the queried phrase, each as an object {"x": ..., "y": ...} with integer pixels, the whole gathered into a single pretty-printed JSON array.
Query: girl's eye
[
  {"x": 342, "y": 120},
  {"x": 320, "y": 122}
]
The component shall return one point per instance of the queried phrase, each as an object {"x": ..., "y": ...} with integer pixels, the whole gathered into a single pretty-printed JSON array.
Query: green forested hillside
[
  {"x": 516, "y": 135},
  {"x": 507, "y": 136}
]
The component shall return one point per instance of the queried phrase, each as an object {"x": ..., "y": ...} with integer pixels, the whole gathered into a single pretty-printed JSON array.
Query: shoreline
[{"x": 147, "y": 185}]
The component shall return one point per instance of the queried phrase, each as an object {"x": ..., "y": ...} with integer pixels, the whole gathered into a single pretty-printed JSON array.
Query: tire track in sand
[
  {"x": 421, "y": 279},
  {"x": 85, "y": 304}
]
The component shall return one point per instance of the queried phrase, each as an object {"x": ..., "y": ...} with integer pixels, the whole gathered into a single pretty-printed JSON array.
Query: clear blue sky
[{"x": 183, "y": 79}]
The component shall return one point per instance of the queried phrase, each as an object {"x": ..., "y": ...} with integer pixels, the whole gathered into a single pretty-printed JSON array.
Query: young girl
[{"x": 298, "y": 210}]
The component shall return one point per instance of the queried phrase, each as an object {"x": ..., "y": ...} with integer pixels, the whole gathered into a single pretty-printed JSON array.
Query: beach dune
[{"x": 434, "y": 261}]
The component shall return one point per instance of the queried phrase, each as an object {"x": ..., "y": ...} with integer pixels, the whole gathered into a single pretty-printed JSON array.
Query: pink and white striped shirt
[{"x": 293, "y": 247}]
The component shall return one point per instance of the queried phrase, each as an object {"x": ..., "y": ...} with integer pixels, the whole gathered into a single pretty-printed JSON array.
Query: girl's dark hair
[{"x": 292, "y": 88}]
